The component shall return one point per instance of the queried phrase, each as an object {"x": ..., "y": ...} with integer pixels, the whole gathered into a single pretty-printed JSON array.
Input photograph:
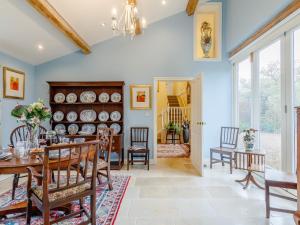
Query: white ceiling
[{"x": 22, "y": 28}]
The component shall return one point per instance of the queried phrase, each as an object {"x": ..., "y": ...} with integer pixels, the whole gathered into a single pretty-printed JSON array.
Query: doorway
[{"x": 178, "y": 119}]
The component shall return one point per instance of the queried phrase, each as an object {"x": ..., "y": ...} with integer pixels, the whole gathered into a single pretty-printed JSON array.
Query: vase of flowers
[
  {"x": 249, "y": 139},
  {"x": 32, "y": 116}
]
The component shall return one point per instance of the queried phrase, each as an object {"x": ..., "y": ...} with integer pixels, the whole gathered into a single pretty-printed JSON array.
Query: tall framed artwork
[
  {"x": 13, "y": 83},
  {"x": 208, "y": 32},
  {"x": 140, "y": 97}
]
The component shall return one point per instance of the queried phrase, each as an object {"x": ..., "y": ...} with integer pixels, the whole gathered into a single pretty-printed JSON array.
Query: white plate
[
  {"x": 73, "y": 129},
  {"x": 71, "y": 98},
  {"x": 115, "y": 116},
  {"x": 103, "y": 116},
  {"x": 102, "y": 125},
  {"x": 60, "y": 127},
  {"x": 103, "y": 97},
  {"x": 116, "y": 127},
  {"x": 116, "y": 97},
  {"x": 58, "y": 116},
  {"x": 88, "y": 128},
  {"x": 59, "y": 98},
  {"x": 88, "y": 115},
  {"x": 72, "y": 116},
  {"x": 88, "y": 97}
]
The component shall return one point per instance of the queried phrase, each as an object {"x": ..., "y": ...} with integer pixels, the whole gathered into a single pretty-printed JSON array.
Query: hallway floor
[{"x": 173, "y": 151}]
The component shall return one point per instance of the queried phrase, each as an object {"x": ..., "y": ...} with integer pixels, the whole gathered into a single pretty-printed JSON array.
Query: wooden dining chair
[
  {"x": 105, "y": 136},
  {"x": 20, "y": 134},
  {"x": 70, "y": 185},
  {"x": 228, "y": 143},
  {"x": 139, "y": 138}
]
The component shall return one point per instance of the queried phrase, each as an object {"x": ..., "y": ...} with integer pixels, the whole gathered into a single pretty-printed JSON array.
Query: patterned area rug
[
  {"x": 108, "y": 204},
  {"x": 173, "y": 151}
]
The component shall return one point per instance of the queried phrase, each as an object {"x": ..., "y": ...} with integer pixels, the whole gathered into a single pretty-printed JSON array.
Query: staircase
[
  {"x": 175, "y": 113},
  {"x": 173, "y": 101}
]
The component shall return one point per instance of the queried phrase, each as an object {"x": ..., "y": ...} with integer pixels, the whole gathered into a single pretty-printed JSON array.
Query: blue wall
[
  {"x": 244, "y": 17},
  {"x": 165, "y": 49},
  {"x": 8, "y": 123}
]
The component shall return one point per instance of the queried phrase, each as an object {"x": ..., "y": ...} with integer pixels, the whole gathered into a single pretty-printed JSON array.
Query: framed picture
[
  {"x": 140, "y": 97},
  {"x": 13, "y": 83},
  {"x": 208, "y": 32}
]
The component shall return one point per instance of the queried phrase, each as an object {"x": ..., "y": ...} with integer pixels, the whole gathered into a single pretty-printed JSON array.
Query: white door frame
[{"x": 155, "y": 81}]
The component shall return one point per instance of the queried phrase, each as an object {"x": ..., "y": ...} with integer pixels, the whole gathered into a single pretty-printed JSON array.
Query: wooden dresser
[{"x": 77, "y": 88}]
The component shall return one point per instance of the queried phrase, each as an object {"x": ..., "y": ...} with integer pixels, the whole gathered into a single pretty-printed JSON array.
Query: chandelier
[{"x": 128, "y": 23}]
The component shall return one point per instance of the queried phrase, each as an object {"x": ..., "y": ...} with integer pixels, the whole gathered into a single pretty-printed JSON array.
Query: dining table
[{"x": 17, "y": 165}]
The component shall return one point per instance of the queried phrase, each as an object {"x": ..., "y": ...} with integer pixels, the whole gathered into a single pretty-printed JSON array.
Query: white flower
[
  {"x": 37, "y": 105},
  {"x": 29, "y": 109}
]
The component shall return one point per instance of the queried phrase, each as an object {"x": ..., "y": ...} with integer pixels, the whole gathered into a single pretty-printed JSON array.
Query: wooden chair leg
[
  {"x": 110, "y": 187},
  {"x": 132, "y": 158},
  {"x": 267, "y": 198},
  {"x": 15, "y": 185},
  {"x": 46, "y": 216},
  {"x": 148, "y": 159},
  {"x": 223, "y": 164},
  {"x": 211, "y": 155},
  {"x": 128, "y": 161},
  {"x": 99, "y": 178},
  {"x": 28, "y": 211},
  {"x": 81, "y": 202},
  {"x": 230, "y": 163},
  {"x": 93, "y": 209}
]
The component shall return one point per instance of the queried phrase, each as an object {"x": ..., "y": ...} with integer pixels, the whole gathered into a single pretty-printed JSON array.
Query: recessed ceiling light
[
  {"x": 103, "y": 24},
  {"x": 163, "y": 2},
  {"x": 40, "y": 47}
]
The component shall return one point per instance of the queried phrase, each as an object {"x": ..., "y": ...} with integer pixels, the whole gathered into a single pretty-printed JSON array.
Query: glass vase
[{"x": 32, "y": 141}]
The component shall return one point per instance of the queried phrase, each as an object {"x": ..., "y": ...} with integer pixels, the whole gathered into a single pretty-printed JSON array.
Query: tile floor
[{"x": 171, "y": 193}]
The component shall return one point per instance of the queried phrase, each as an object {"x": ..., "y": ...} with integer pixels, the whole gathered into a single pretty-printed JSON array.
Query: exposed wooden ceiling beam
[
  {"x": 291, "y": 8},
  {"x": 191, "y": 7},
  {"x": 48, "y": 11}
]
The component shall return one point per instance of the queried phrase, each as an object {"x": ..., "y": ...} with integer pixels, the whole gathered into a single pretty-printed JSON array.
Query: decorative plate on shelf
[
  {"x": 72, "y": 116},
  {"x": 103, "y": 97},
  {"x": 88, "y": 115},
  {"x": 71, "y": 98},
  {"x": 116, "y": 127},
  {"x": 102, "y": 125},
  {"x": 116, "y": 97},
  {"x": 59, "y": 98},
  {"x": 88, "y": 97},
  {"x": 103, "y": 116},
  {"x": 60, "y": 128},
  {"x": 58, "y": 116},
  {"x": 115, "y": 116},
  {"x": 73, "y": 129},
  {"x": 88, "y": 128}
]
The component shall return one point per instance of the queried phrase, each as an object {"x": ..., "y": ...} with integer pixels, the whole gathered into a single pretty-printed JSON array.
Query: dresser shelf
[{"x": 109, "y": 87}]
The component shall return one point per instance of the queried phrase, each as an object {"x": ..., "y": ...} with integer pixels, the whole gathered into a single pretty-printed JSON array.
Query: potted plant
[
  {"x": 249, "y": 139},
  {"x": 172, "y": 126},
  {"x": 32, "y": 116}
]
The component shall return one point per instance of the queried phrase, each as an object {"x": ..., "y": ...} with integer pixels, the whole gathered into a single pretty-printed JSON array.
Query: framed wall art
[
  {"x": 140, "y": 97},
  {"x": 208, "y": 32},
  {"x": 13, "y": 83}
]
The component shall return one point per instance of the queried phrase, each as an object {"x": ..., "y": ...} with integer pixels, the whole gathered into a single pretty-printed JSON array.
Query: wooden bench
[{"x": 278, "y": 179}]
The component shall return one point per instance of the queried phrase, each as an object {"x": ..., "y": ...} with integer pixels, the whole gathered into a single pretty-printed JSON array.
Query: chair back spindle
[
  {"x": 139, "y": 136},
  {"x": 229, "y": 137},
  {"x": 20, "y": 134},
  {"x": 63, "y": 159}
]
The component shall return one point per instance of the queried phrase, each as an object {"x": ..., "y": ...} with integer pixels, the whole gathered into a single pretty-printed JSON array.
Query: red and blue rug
[{"x": 108, "y": 204}]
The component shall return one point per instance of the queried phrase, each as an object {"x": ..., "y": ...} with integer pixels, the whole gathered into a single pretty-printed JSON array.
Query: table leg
[{"x": 249, "y": 178}]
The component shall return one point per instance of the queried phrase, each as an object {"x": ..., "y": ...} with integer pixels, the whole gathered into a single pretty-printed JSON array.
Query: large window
[
  {"x": 270, "y": 103},
  {"x": 244, "y": 94}
]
